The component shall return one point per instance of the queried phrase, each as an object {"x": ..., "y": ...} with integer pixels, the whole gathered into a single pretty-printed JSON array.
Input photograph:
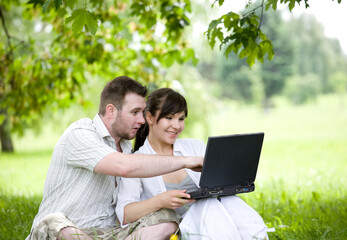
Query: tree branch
[
  {"x": 262, "y": 14},
  {"x": 252, "y": 10},
  {"x": 6, "y": 31}
]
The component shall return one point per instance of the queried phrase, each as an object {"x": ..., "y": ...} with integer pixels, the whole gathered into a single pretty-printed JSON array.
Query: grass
[{"x": 300, "y": 186}]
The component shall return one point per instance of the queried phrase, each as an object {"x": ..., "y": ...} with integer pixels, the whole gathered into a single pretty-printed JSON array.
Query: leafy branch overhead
[
  {"x": 238, "y": 33},
  {"x": 242, "y": 35}
]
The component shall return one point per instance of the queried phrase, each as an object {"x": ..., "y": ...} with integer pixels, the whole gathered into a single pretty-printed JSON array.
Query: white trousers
[{"x": 229, "y": 219}]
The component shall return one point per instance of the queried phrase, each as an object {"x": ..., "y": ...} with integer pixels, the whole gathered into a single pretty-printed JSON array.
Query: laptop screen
[{"x": 231, "y": 160}]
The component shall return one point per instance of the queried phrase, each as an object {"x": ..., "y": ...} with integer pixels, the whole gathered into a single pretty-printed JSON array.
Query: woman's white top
[{"x": 138, "y": 189}]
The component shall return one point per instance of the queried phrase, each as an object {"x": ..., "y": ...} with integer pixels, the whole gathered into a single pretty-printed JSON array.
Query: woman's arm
[{"x": 171, "y": 199}]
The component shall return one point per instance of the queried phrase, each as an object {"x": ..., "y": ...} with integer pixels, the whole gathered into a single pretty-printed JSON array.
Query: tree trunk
[{"x": 5, "y": 137}]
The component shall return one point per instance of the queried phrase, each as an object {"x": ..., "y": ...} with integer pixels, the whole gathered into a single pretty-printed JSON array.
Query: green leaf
[
  {"x": 57, "y": 4},
  {"x": 220, "y": 2},
  {"x": 243, "y": 53},
  {"x": 79, "y": 21},
  {"x": 217, "y": 32},
  {"x": 46, "y": 6},
  {"x": 270, "y": 3},
  {"x": 71, "y": 3},
  {"x": 228, "y": 50},
  {"x": 35, "y": 2},
  {"x": 213, "y": 24},
  {"x": 91, "y": 22},
  {"x": 291, "y": 5},
  {"x": 231, "y": 22}
]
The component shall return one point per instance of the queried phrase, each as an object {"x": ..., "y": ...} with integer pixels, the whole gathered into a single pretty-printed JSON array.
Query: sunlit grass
[
  {"x": 300, "y": 187},
  {"x": 24, "y": 173}
]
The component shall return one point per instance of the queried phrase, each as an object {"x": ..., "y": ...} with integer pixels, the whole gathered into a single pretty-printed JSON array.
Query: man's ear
[
  {"x": 111, "y": 111},
  {"x": 149, "y": 118}
]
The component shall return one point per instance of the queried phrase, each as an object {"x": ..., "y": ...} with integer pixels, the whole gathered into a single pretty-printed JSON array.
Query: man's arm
[{"x": 140, "y": 166}]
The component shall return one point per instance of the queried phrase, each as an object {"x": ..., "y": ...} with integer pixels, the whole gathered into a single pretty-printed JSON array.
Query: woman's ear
[{"x": 149, "y": 118}]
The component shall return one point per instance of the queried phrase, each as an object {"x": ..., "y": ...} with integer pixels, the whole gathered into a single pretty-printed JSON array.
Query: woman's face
[{"x": 168, "y": 128}]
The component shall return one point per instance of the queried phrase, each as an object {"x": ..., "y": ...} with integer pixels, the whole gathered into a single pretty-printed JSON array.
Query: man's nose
[{"x": 141, "y": 119}]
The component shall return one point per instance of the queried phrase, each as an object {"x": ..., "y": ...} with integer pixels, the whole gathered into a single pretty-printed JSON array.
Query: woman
[{"x": 229, "y": 218}]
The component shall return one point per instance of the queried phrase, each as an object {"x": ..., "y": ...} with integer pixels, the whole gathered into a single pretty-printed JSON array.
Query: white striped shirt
[{"x": 71, "y": 186}]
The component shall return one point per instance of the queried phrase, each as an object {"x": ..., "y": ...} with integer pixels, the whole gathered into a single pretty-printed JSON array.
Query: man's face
[{"x": 130, "y": 118}]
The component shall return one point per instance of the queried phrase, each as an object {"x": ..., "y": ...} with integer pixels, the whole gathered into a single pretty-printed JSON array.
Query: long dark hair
[{"x": 167, "y": 102}]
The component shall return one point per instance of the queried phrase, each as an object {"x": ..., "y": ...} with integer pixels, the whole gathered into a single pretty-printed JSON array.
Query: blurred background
[{"x": 299, "y": 99}]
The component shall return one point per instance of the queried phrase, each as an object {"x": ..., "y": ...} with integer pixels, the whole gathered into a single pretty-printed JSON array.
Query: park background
[{"x": 298, "y": 99}]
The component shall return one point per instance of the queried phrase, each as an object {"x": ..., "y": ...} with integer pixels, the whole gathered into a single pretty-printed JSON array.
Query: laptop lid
[{"x": 231, "y": 160}]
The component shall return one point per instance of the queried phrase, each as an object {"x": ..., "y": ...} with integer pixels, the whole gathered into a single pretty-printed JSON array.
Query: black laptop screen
[{"x": 231, "y": 160}]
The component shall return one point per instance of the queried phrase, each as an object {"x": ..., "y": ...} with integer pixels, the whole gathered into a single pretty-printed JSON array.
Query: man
[{"x": 80, "y": 191}]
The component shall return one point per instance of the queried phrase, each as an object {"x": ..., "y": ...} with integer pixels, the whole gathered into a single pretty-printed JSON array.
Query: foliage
[
  {"x": 268, "y": 79},
  {"x": 240, "y": 34},
  {"x": 315, "y": 53},
  {"x": 46, "y": 68},
  {"x": 301, "y": 49},
  {"x": 339, "y": 82}
]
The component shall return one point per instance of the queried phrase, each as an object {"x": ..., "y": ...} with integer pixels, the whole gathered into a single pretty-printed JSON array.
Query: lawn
[{"x": 300, "y": 186}]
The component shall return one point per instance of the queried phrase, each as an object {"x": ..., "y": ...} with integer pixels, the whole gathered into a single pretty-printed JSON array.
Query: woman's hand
[{"x": 173, "y": 199}]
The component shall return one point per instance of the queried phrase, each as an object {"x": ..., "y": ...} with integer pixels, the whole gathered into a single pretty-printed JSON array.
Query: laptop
[{"x": 230, "y": 165}]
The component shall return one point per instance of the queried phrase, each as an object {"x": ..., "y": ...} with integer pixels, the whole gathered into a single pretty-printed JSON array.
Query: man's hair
[{"x": 114, "y": 92}]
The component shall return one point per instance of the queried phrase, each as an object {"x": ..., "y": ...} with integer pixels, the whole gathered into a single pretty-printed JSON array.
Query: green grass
[
  {"x": 17, "y": 214},
  {"x": 300, "y": 187}
]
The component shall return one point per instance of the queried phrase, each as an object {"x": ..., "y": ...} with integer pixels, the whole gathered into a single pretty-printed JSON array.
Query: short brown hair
[{"x": 114, "y": 92}]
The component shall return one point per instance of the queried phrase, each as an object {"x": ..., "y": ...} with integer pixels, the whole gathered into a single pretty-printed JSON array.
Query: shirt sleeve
[
  {"x": 130, "y": 190},
  {"x": 84, "y": 148}
]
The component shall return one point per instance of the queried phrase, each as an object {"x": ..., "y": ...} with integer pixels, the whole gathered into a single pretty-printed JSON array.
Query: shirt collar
[
  {"x": 105, "y": 134},
  {"x": 100, "y": 127},
  {"x": 148, "y": 146},
  {"x": 177, "y": 147}
]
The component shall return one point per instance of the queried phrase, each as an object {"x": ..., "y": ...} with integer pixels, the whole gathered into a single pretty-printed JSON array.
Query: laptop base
[{"x": 223, "y": 191}]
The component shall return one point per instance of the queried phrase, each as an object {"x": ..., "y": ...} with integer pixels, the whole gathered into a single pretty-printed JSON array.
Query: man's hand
[{"x": 195, "y": 163}]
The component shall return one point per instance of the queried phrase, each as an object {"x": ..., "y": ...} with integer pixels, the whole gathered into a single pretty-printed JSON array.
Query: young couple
[{"x": 81, "y": 188}]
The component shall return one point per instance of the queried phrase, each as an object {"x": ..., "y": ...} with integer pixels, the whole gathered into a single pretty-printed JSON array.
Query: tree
[
  {"x": 275, "y": 72},
  {"x": 42, "y": 71},
  {"x": 315, "y": 53}
]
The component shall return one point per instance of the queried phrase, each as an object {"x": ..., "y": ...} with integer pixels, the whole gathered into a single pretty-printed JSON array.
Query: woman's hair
[{"x": 163, "y": 102}]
